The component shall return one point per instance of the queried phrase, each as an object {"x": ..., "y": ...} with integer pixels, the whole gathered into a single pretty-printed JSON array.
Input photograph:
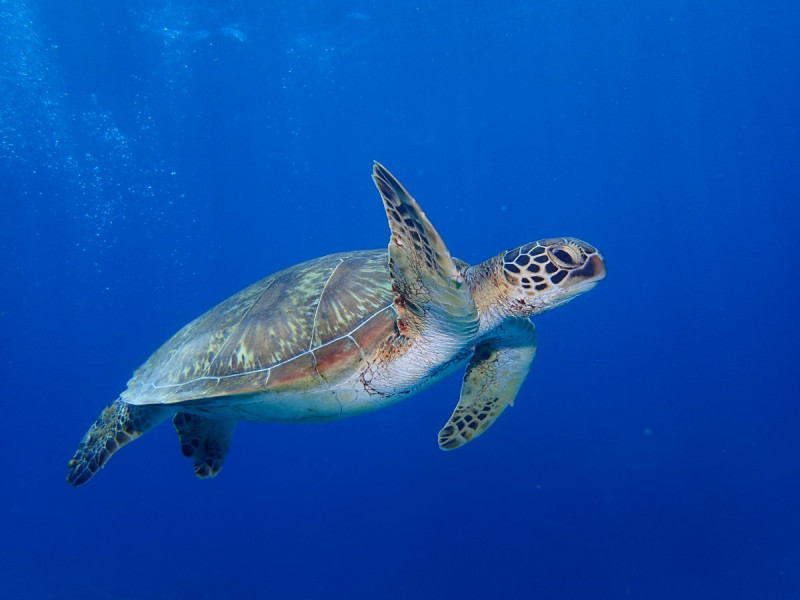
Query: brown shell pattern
[{"x": 306, "y": 326}]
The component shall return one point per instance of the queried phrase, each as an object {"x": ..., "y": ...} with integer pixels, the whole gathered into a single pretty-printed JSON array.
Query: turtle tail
[{"x": 117, "y": 425}]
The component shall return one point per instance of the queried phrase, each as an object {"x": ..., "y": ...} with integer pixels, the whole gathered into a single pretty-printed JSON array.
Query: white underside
[
  {"x": 314, "y": 407},
  {"x": 403, "y": 378}
]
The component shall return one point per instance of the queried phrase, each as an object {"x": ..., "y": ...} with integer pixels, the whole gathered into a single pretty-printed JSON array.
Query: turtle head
[{"x": 550, "y": 272}]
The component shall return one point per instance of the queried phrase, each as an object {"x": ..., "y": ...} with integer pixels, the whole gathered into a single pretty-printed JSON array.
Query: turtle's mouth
[
  {"x": 586, "y": 277},
  {"x": 580, "y": 280},
  {"x": 593, "y": 271}
]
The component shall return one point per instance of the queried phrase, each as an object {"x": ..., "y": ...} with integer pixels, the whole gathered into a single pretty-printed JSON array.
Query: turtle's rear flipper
[
  {"x": 205, "y": 441},
  {"x": 117, "y": 425}
]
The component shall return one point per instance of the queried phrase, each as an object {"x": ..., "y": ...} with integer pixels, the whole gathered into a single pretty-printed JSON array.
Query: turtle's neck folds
[{"x": 490, "y": 291}]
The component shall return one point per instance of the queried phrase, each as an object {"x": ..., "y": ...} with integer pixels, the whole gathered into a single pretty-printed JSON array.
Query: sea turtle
[{"x": 348, "y": 334}]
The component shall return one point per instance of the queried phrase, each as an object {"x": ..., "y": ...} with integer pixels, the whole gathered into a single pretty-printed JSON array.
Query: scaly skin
[{"x": 117, "y": 425}]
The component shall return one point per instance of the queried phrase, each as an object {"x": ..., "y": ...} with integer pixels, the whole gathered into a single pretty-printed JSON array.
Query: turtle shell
[{"x": 306, "y": 327}]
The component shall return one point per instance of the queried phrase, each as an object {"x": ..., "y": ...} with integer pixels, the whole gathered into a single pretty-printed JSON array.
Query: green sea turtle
[{"x": 348, "y": 334}]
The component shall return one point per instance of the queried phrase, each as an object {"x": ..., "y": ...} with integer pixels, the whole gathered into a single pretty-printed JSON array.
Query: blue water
[{"x": 158, "y": 156}]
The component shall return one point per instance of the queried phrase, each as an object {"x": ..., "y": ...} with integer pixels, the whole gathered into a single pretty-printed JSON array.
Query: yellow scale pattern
[{"x": 262, "y": 336}]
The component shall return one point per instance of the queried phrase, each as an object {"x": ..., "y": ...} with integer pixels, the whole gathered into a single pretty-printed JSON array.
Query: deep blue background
[{"x": 158, "y": 156}]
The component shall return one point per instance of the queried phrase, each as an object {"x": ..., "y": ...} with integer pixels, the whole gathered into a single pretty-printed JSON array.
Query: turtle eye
[{"x": 566, "y": 256}]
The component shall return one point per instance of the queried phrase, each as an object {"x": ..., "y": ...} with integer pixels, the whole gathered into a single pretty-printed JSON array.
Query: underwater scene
[{"x": 542, "y": 253}]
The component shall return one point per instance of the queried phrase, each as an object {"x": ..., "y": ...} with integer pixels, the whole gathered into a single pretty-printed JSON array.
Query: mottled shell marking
[{"x": 305, "y": 326}]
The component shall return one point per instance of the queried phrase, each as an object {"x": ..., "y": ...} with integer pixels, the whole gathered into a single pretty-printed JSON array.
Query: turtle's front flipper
[
  {"x": 494, "y": 375},
  {"x": 428, "y": 287},
  {"x": 117, "y": 425},
  {"x": 204, "y": 440}
]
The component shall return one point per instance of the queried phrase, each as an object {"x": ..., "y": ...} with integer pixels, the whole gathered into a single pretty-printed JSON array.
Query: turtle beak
[
  {"x": 589, "y": 274},
  {"x": 595, "y": 268}
]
